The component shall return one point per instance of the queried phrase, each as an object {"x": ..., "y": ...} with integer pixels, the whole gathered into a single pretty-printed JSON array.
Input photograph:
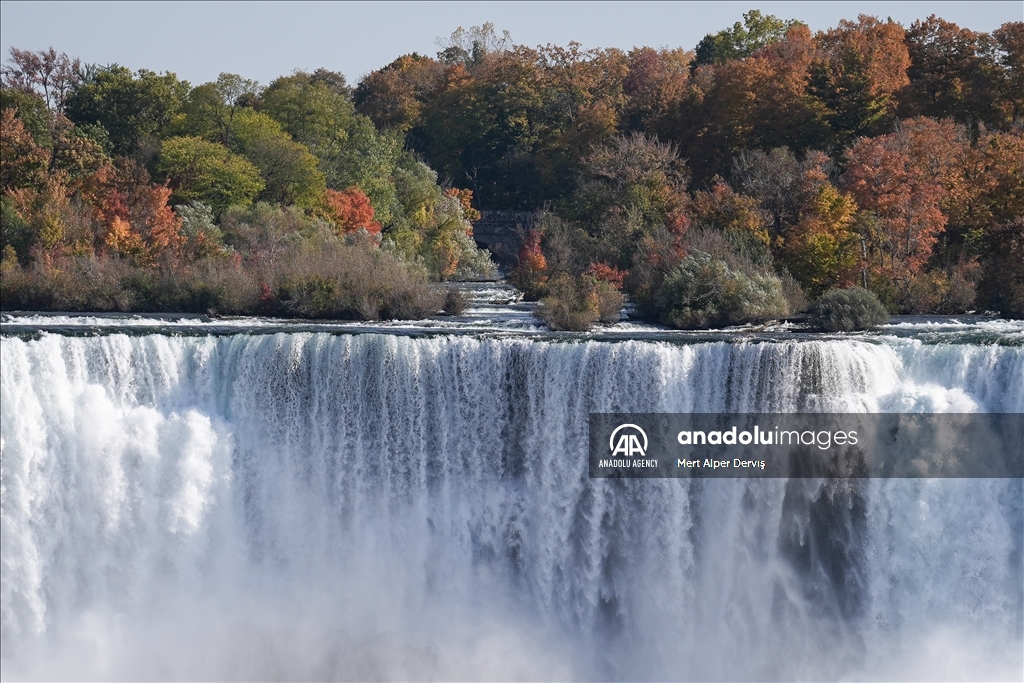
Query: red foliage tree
[
  {"x": 901, "y": 179},
  {"x": 50, "y": 75},
  {"x": 607, "y": 273},
  {"x": 530, "y": 255},
  {"x": 350, "y": 209}
]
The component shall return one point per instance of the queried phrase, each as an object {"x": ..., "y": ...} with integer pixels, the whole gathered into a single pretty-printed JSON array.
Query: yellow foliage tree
[{"x": 821, "y": 250}]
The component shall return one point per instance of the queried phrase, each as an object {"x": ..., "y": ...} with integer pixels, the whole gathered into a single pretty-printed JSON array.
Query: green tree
[
  {"x": 135, "y": 110},
  {"x": 742, "y": 40},
  {"x": 288, "y": 169},
  {"x": 33, "y": 113},
  {"x": 317, "y": 113},
  {"x": 211, "y": 107},
  {"x": 203, "y": 171}
]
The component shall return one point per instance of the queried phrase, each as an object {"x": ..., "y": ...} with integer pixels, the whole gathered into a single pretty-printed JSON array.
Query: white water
[{"x": 311, "y": 506}]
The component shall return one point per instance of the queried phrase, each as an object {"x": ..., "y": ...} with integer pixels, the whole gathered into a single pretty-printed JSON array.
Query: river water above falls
[{"x": 192, "y": 498}]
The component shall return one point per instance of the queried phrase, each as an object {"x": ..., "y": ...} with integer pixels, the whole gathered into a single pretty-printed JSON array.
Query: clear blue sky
[{"x": 263, "y": 40}]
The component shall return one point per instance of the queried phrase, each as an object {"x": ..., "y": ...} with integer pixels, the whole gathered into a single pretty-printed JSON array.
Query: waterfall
[{"x": 316, "y": 506}]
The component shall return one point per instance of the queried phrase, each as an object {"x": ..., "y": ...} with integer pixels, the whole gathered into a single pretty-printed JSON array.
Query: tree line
[{"x": 739, "y": 180}]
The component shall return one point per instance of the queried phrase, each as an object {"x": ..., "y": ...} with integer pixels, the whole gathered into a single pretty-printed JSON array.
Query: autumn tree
[
  {"x": 582, "y": 109},
  {"x": 810, "y": 221},
  {"x": 23, "y": 163},
  {"x": 465, "y": 198},
  {"x": 628, "y": 187},
  {"x": 514, "y": 125},
  {"x": 350, "y": 209},
  {"x": 133, "y": 211},
  {"x": 898, "y": 178},
  {"x": 951, "y": 73},
  {"x": 759, "y": 102},
  {"x": 821, "y": 250},
  {"x": 46, "y": 73},
  {"x": 393, "y": 97},
  {"x": 783, "y": 185},
  {"x": 51, "y": 221},
  {"x": 736, "y": 217},
  {"x": 1009, "y": 55},
  {"x": 36, "y": 86},
  {"x": 31, "y": 110},
  {"x": 655, "y": 80},
  {"x": 857, "y": 69}
]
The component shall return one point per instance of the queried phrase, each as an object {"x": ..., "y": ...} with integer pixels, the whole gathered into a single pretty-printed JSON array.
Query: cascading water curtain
[{"x": 370, "y": 506}]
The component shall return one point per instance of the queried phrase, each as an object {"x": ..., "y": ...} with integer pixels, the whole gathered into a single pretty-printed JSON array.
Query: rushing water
[{"x": 222, "y": 500}]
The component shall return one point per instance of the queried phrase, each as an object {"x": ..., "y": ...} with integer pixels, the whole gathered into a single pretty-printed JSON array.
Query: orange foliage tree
[
  {"x": 858, "y": 67},
  {"x": 759, "y": 102},
  {"x": 23, "y": 163},
  {"x": 901, "y": 179},
  {"x": 133, "y": 216},
  {"x": 350, "y": 209},
  {"x": 465, "y": 198},
  {"x": 531, "y": 272},
  {"x": 656, "y": 79},
  {"x": 606, "y": 273},
  {"x": 820, "y": 251}
]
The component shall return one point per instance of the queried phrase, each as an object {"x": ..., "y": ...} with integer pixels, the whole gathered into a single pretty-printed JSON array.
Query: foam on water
[{"x": 315, "y": 506}]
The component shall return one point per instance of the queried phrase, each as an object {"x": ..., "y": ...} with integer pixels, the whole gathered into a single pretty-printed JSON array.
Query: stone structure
[{"x": 503, "y": 232}]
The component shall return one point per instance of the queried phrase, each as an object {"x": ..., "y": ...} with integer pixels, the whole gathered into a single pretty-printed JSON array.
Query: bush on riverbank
[
  {"x": 846, "y": 310},
  {"x": 342, "y": 281},
  {"x": 575, "y": 303},
  {"x": 351, "y": 283},
  {"x": 704, "y": 291}
]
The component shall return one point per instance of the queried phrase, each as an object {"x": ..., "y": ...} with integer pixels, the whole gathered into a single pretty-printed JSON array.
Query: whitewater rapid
[{"x": 364, "y": 506}]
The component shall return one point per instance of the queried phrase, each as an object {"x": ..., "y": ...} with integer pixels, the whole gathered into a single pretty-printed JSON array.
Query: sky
[{"x": 263, "y": 40}]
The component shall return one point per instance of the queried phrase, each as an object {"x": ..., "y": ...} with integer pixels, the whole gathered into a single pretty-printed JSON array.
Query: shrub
[
  {"x": 846, "y": 310},
  {"x": 575, "y": 303},
  {"x": 334, "y": 280},
  {"x": 454, "y": 301},
  {"x": 609, "y": 301},
  {"x": 704, "y": 291},
  {"x": 795, "y": 297},
  {"x": 351, "y": 282}
]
